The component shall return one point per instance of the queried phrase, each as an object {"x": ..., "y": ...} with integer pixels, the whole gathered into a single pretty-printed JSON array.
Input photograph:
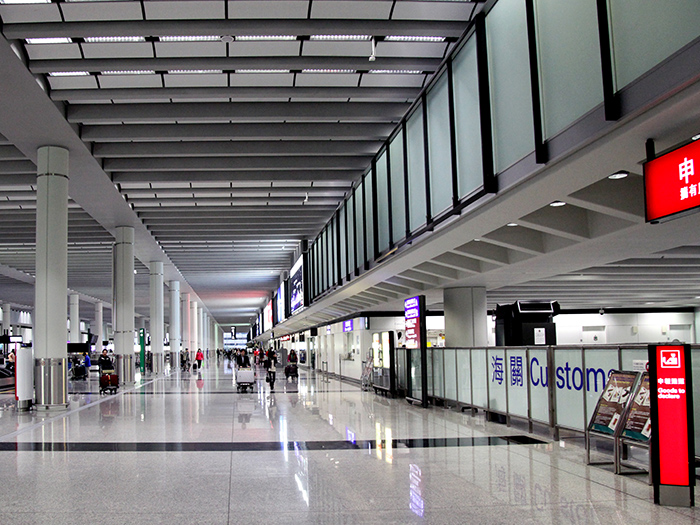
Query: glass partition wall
[{"x": 508, "y": 91}]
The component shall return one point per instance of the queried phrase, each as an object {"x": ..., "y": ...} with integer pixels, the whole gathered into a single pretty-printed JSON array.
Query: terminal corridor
[{"x": 187, "y": 448}]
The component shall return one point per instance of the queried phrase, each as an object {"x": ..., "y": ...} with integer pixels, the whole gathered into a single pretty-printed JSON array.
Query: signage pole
[
  {"x": 142, "y": 354},
  {"x": 672, "y": 426},
  {"x": 423, "y": 352}
]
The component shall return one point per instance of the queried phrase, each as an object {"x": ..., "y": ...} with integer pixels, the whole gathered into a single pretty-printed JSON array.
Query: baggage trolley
[
  {"x": 245, "y": 378},
  {"x": 109, "y": 382}
]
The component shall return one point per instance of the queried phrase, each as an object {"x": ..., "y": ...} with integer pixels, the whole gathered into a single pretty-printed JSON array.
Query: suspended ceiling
[{"x": 228, "y": 132}]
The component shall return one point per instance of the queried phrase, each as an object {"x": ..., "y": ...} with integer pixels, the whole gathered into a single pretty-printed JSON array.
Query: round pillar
[
  {"x": 157, "y": 330},
  {"x": 175, "y": 324},
  {"x": 123, "y": 309}
]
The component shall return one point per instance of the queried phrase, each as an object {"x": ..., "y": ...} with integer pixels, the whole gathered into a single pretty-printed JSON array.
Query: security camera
[{"x": 601, "y": 311}]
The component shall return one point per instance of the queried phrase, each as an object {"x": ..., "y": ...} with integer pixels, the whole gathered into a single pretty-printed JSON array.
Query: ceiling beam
[
  {"x": 235, "y": 112},
  {"x": 398, "y": 94},
  {"x": 230, "y": 132},
  {"x": 296, "y": 148},
  {"x": 327, "y": 176}
]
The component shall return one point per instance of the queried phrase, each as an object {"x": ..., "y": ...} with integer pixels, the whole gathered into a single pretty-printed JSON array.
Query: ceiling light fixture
[
  {"x": 134, "y": 72},
  {"x": 113, "y": 39},
  {"x": 25, "y": 1},
  {"x": 328, "y": 71},
  {"x": 512, "y": 224},
  {"x": 396, "y": 71},
  {"x": 192, "y": 38},
  {"x": 414, "y": 38},
  {"x": 696, "y": 137},
  {"x": 49, "y": 40},
  {"x": 193, "y": 71},
  {"x": 557, "y": 204},
  {"x": 619, "y": 175},
  {"x": 69, "y": 73},
  {"x": 244, "y": 71},
  {"x": 265, "y": 37},
  {"x": 340, "y": 37}
]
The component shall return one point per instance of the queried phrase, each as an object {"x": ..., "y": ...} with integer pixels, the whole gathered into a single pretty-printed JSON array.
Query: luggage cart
[{"x": 245, "y": 378}]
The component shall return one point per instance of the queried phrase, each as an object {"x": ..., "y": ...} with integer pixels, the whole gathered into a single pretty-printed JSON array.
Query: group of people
[
  {"x": 185, "y": 361},
  {"x": 268, "y": 360}
]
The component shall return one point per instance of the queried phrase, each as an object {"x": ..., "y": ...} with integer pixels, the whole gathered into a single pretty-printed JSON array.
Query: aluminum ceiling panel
[
  {"x": 51, "y": 51},
  {"x": 268, "y": 9},
  {"x": 118, "y": 49},
  {"x": 192, "y": 9},
  {"x": 436, "y": 10},
  {"x": 375, "y": 9},
  {"x": 190, "y": 49},
  {"x": 93, "y": 11},
  {"x": 264, "y": 48},
  {"x": 130, "y": 81},
  {"x": 199, "y": 80},
  {"x": 390, "y": 80},
  {"x": 340, "y": 49},
  {"x": 262, "y": 79},
  {"x": 411, "y": 49},
  {"x": 79, "y": 82},
  {"x": 330, "y": 79}
]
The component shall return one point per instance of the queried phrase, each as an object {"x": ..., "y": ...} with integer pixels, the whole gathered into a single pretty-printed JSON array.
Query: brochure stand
[
  {"x": 607, "y": 421},
  {"x": 636, "y": 430}
]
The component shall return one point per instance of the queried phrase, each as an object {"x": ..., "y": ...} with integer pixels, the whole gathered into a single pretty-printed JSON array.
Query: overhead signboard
[
  {"x": 672, "y": 428},
  {"x": 347, "y": 325},
  {"x": 671, "y": 186}
]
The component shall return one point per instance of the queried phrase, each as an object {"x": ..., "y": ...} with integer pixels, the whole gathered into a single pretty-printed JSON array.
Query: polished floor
[{"x": 189, "y": 449}]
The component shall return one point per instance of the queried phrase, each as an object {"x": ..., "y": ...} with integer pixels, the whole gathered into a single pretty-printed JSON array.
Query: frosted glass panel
[
  {"x": 382, "y": 203},
  {"x": 509, "y": 76},
  {"x": 537, "y": 372},
  {"x": 343, "y": 239},
  {"x": 359, "y": 230},
  {"x": 569, "y": 381},
  {"x": 570, "y": 88},
  {"x": 398, "y": 197},
  {"x": 450, "y": 374},
  {"x": 464, "y": 375},
  {"x": 497, "y": 379},
  {"x": 516, "y": 365},
  {"x": 351, "y": 233},
  {"x": 645, "y": 32},
  {"x": 416, "y": 169},
  {"x": 438, "y": 385},
  {"x": 629, "y": 356},
  {"x": 479, "y": 378},
  {"x": 467, "y": 122},
  {"x": 599, "y": 364},
  {"x": 439, "y": 149},
  {"x": 369, "y": 217}
]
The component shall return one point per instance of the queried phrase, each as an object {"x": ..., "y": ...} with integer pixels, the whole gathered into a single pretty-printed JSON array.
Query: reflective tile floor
[{"x": 189, "y": 449}]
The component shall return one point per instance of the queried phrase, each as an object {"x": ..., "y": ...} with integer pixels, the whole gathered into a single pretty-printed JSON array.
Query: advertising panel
[
  {"x": 613, "y": 402},
  {"x": 280, "y": 304},
  {"x": 638, "y": 424},
  {"x": 267, "y": 316},
  {"x": 670, "y": 186},
  {"x": 412, "y": 316},
  {"x": 296, "y": 286}
]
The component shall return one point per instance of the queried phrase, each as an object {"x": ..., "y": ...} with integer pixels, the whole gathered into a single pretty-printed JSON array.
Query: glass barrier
[
  {"x": 480, "y": 388},
  {"x": 464, "y": 376},
  {"x": 450, "y": 367},
  {"x": 517, "y": 382}
]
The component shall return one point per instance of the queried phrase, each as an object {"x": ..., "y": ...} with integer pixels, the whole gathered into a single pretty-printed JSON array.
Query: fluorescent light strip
[
  {"x": 69, "y": 74},
  {"x": 397, "y": 71},
  {"x": 190, "y": 38},
  {"x": 406, "y": 38},
  {"x": 328, "y": 71},
  {"x": 340, "y": 37},
  {"x": 265, "y": 37},
  {"x": 111, "y": 39},
  {"x": 133, "y": 72},
  {"x": 244, "y": 71},
  {"x": 193, "y": 71},
  {"x": 25, "y": 1},
  {"x": 49, "y": 40}
]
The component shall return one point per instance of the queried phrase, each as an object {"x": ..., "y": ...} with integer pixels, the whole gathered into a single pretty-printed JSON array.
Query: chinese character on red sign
[{"x": 669, "y": 182}]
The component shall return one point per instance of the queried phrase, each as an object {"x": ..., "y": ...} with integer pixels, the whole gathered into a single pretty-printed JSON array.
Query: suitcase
[
  {"x": 113, "y": 380},
  {"x": 104, "y": 381}
]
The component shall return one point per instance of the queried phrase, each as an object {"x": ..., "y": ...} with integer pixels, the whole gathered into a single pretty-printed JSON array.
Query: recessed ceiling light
[
  {"x": 25, "y": 1},
  {"x": 49, "y": 40},
  {"x": 191, "y": 38},
  {"x": 69, "y": 74},
  {"x": 340, "y": 37},
  {"x": 113, "y": 39},
  {"x": 265, "y": 37},
  {"x": 262, "y": 71},
  {"x": 328, "y": 71},
  {"x": 557, "y": 204},
  {"x": 396, "y": 71},
  {"x": 193, "y": 71},
  {"x": 511, "y": 224},
  {"x": 414, "y": 38},
  {"x": 619, "y": 175},
  {"x": 696, "y": 137},
  {"x": 133, "y": 72}
]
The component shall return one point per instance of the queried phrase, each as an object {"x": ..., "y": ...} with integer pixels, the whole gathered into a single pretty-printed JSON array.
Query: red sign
[
  {"x": 672, "y": 416},
  {"x": 670, "y": 182},
  {"x": 413, "y": 333}
]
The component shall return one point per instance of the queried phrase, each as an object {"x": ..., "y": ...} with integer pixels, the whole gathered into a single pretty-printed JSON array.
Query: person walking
[{"x": 199, "y": 358}]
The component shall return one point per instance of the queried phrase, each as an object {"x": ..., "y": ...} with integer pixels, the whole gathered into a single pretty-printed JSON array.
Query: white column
[
  {"x": 99, "y": 328},
  {"x": 200, "y": 328},
  {"x": 74, "y": 318},
  {"x": 123, "y": 309},
  {"x": 6, "y": 316},
  {"x": 193, "y": 328},
  {"x": 186, "y": 322},
  {"x": 465, "y": 317},
  {"x": 175, "y": 324},
  {"x": 157, "y": 330},
  {"x": 51, "y": 285}
]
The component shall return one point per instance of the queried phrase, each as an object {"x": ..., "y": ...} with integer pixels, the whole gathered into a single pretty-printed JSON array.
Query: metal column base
[
  {"x": 125, "y": 368},
  {"x": 158, "y": 364},
  {"x": 51, "y": 383},
  {"x": 23, "y": 404},
  {"x": 674, "y": 496}
]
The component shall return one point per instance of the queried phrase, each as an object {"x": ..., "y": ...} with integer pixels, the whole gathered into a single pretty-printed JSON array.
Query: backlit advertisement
[
  {"x": 412, "y": 317},
  {"x": 670, "y": 185},
  {"x": 267, "y": 317},
  {"x": 280, "y": 304},
  {"x": 296, "y": 286}
]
